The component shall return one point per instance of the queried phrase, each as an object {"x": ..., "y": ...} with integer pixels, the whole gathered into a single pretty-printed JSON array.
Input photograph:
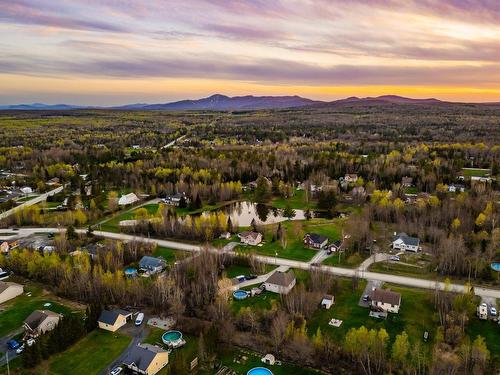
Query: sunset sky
[{"x": 112, "y": 52}]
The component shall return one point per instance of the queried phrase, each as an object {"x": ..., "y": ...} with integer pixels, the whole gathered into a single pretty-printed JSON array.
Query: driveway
[
  {"x": 370, "y": 285},
  {"x": 381, "y": 257},
  {"x": 4, "y": 349},
  {"x": 138, "y": 335}
]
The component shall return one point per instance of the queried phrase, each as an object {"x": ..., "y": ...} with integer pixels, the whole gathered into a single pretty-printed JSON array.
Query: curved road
[{"x": 346, "y": 272}]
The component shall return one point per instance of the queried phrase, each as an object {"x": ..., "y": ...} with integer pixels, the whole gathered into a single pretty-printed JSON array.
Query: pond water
[{"x": 243, "y": 213}]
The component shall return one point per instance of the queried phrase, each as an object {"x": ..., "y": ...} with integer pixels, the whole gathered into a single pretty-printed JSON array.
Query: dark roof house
[{"x": 152, "y": 264}]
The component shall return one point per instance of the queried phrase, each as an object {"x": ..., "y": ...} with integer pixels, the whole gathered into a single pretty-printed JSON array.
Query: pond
[{"x": 243, "y": 213}]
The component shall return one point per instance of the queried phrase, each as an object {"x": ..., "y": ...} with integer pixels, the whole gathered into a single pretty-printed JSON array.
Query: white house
[
  {"x": 386, "y": 300},
  {"x": 453, "y": 188},
  {"x": 281, "y": 282},
  {"x": 26, "y": 190},
  {"x": 250, "y": 238},
  {"x": 41, "y": 321},
  {"x": 404, "y": 242},
  {"x": 9, "y": 291},
  {"x": 128, "y": 199}
]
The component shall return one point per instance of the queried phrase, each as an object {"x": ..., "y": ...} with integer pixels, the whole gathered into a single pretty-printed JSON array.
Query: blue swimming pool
[
  {"x": 173, "y": 339},
  {"x": 495, "y": 266},
  {"x": 259, "y": 371},
  {"x": 240, "y": 294}
]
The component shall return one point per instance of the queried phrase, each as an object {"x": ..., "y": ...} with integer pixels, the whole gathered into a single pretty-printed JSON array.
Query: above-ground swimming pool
[
  {"x": 495, "y": 266},
  {"x": 259, "y": 371},
  {"x": 240, "y": 294},
  {"x": 173, "y": 339},
  {"x": 130, "y": 272}
]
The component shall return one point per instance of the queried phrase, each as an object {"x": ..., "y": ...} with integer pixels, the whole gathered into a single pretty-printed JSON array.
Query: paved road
[
  {"x": 4, "y": 348},
  {"x": 31, "y": 202},
  {"x": 346, "y": 272},
  {"x": 170, "y": 144},
  {"x": 381, "y": 257}
]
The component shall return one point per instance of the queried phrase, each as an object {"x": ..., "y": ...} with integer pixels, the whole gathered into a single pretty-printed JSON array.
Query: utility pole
[{"x": 7, "y": 356}]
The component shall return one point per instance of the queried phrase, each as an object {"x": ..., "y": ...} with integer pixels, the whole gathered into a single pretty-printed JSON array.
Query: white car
[
  {"x": 139, "y": 319},
  {"x": 116, "y": 371},
  {"x": 30, "y": 342},
  {"x": 493, "y": 311},
  {"x": 395, "y": 258},
  {"x": 20, "y": 349}
]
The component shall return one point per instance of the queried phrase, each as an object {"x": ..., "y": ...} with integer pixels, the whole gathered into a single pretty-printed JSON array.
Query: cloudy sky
[{"x": 107, "y": 52}]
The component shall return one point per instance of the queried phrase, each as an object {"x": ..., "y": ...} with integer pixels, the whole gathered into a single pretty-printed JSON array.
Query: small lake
[{"x": 242, "y": 213}]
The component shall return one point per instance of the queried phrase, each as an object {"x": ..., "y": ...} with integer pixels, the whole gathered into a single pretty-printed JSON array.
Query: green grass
[
  {"x": 235, "y": 270},
  {"x": 346, "y": 262},
  {"x": 488, "y": 330},
  {"x": 265, "y": 301},
  {"x": 90, "y": 355},
  {"x": 403, "y": 270},
  {"x": 297, "y": 201},
  {"x": 21, "y": 307},
  {"x": 113, "y": 223},
  {"x": 415, "y": 316},
  {"x": 253, "y": 360},
  {"x": 295, "y": 248},
  {"x": 170, "y": 255},
  {"x": 478, "y": 172}
]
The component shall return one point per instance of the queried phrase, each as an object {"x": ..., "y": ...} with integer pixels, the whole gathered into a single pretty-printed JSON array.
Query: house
[
  {"x": 407, "y": 181},
  {"x": 152, "y": 265},
  {"x": 404, "y": 242},
  {"x": 128, "y": 223},
  {"x": 350, "y": 178},
  {"x": 250, "y": 238},
  {"x": 281, "y": 282},
  {"x": 175, "y": 199},
  {"x": 128, "y": 199},
  {"x": 225, "y": 236},
  {"x": 386, "y": 300},
  {"x": 334, "y": 246},
  {"x": 41, "y": 321},
  {"x": 9, "y": 290},
  {"x": 113, "y": 320},
  {"x": 268, "y": 359},
  {"x": 454, "y": 188},
  {"x": 315, "y": 241},
  {"x": 327, "y": 301},
  {"x": 26, "y": 190},
  {"x": 146, "y": 359},
  {"x": 482, "y": 311},
  {"x": 53, "y": 181},
  {"x": 4, "y": 247}
]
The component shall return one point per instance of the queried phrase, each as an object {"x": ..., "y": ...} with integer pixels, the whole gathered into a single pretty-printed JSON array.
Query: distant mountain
[
  {"x": 219, "y": 102},
  {"x": 41, "y": 106}
]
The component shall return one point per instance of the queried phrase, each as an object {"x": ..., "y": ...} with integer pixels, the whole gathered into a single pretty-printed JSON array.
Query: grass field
[
  {"x": 263, "y": 302},
  {"x": 90, "y": 355},
  {"x": 489, "y": 330},
  {"x": 170, "y": 255},
  {"x": 297, "y": 202},
  {"x": 346, "y": 262},
  {"x": 112, "y": 224},
  {"x": 295, "y": 231},
  {"x": 416, "y": 314},
  {"x": 478, "y": 172},
  {"x": 18, "y": 309}
]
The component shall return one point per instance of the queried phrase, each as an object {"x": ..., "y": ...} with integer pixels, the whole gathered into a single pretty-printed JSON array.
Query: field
[
  {"x": 112, "y": 224},
  {"x": 297, "y": 202},
  {"x": 477, "y": 172},
  {"x": 295, "y": 231},
  {"x": 18, "y": 309},
  {"x": 90, "y": 355},
  {"x": 170, "y": 255}
]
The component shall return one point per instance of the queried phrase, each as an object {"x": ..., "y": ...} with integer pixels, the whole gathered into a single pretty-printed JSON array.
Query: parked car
[
  {"x": 13, "y": 344},
  {"x": 20, "y": 349},
  {"x": 395, "y": 258},
  {"x": 116, "y": 371},
  {"x": 493, "y": 311},
  {"x": 139, "y": 319},
  {"x": 30, "y": 342},
  {"x": 251, "y": 277},
  {"x": 366, "y": 298}
]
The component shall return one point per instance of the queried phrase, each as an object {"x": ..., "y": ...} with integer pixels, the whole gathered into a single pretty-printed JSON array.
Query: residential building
[
  {"x": 404, "y": 242},
  {"x": 407, "y": 181},
  {"x": 315, "y": 241},
  {"x": 53, "y": 181},
  {"x": 175, "y": 199},
  {"x": 456, "y": 188},
  {"x": 41, "y": 321},
  {"x": 350, "y": 178},
  {"x": 4, "y": 247},
  {"x": 152, "y": 265},
  {"x": 386, "y": 300},
  {"x": 146, "y": 359},
  {"x": 250, "y": 238},
  {"x": 281, "y": 282},
  {"x": 113, "y": 320},
  {"x": 334, "y": 246},
  {"x": 128, "y": 199},
  {"x": 26, "y": 190},
  {"x": 9, "y": 291}
]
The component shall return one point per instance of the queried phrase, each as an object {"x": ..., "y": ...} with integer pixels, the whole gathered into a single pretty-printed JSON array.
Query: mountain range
[{"x": 220, "y": 102}]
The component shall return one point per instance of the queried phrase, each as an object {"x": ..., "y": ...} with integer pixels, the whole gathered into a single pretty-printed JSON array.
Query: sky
[{"x": 110, "y": 52}]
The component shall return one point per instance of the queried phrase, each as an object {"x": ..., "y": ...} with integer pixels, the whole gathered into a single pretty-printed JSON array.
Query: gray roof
[
  {"x": 412, "y": 241},
  {"x": 281, "y": 278},
  {"x": 317, "y": 238},
  {"x": 36, "y": 318},
  {"x": 5, "y": 285},
  {"x": 151, "y": 262},
  {"x": 386, "y": 296},
  {"x": 142, "y": 355}
]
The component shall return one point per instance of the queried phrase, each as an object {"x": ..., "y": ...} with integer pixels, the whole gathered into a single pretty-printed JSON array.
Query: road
[
  {"x": 4, "y": 349},
  {"x": 170, "y": 144},
  {"x": 31, "y": 202},
  {"x": 346, "y": 272}
]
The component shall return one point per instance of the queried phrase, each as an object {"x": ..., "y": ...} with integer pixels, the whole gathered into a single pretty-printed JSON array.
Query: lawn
[
  {"x": 297, "y": 201},
  {"x": 488, "y": 330},
  {"x": 478, "y": 172},
  {"x": 295, "y": 230},
  {"x": 346, "y": 262},
  {"x": 399, "y": 269},
  {"x": 265, "y": 301},
  {"x": 112, "y": 224},
  {"x": 170, "y": 255},
  {"x": 91, "y": 355},
  {"x": 21, "y": 307},
  {"x": 416, "y": 314}
]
